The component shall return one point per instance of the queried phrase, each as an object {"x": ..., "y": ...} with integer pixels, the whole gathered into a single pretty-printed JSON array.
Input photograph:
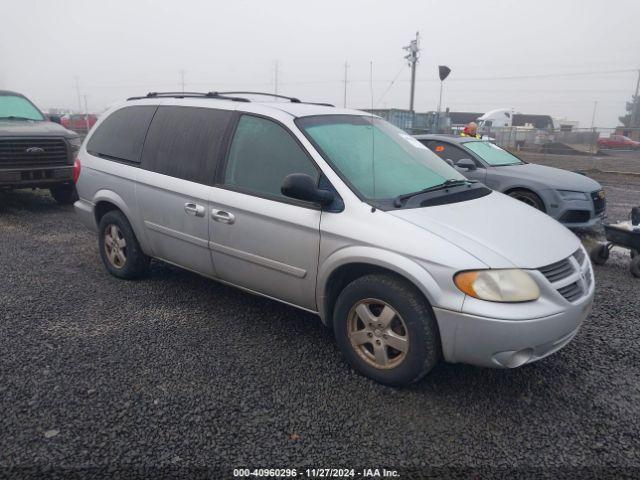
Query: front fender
[{"x": 418, "y": 273}]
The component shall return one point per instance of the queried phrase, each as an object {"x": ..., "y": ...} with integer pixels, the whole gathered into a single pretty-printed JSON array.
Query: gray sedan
[{"x": 571, "y": 198}]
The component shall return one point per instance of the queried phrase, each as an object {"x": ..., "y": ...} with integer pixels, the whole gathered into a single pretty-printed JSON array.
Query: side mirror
[
  {"x": 302, "y": 187},
  {"x": 55, "y": 119},
  {"x": 466, "y": 164}
]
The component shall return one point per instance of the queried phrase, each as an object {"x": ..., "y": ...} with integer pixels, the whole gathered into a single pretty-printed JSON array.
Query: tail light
[{"x": 77, "y": 166}]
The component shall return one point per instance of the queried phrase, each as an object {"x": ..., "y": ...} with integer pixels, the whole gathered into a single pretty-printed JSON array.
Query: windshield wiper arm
[
  {"x": 14, "y": 117},
  {"x": 446, "y": 184}
]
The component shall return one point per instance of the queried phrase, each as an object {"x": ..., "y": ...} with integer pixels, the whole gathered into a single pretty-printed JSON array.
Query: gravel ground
[
  {"x": 614, "y": 161},
  {"x": 103, "y": 378}
]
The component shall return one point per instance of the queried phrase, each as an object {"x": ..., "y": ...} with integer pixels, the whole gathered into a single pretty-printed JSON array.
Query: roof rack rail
[
  {"x": 275, "y": 95},
  {"x": 223, "y": 96},
  {"x": 266, "y": 94},
  {"x": 189, "y": 95}
]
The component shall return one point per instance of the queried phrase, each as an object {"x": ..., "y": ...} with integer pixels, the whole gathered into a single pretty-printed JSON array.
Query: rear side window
[
  {"x": 121, "y": 135},
  {"x": 262, "y": 154},
  {"x": 184, "y": 142}
]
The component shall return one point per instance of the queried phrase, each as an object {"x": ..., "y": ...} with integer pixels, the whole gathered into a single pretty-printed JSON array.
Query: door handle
[
  {"x": 223, "y": 217},
  {"x": 194, "y": 209}
]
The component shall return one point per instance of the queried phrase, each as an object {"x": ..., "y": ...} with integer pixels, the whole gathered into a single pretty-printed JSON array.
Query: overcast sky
[{"x": 539, "y": 56}]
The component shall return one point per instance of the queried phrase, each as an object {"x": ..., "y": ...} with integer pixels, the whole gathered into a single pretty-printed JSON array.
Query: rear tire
[
  {"x": 599, "y": 254},
  {"x": 64, "y": 194},
  {"x": 119, "y": 247},
  {"x": 528, "y": 197},
  {"x": 634, "y": 266},
  {"x": 376, "y": 313}
]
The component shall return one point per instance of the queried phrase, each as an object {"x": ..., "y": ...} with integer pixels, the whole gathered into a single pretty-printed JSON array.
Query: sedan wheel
[{"x": 529, "y": 198}]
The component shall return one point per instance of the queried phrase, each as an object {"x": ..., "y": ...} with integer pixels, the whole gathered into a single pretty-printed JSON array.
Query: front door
[{"x": 260, "y": 239}]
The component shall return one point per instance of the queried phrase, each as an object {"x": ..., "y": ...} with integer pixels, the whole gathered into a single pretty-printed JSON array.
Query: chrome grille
[
  {"x": 571, "y": 292},
  {"x": 572, "y": 276},
  {"x": 589, "y": 277},
  {"x": 33, "y": 152},
  {"x": 557, "y": 271}
]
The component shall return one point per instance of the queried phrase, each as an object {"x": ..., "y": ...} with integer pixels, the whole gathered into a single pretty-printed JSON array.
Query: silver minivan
[{"x": 339, "y": 213}]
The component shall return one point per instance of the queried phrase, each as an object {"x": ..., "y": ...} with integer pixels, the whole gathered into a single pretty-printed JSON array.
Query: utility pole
[
  {"x": 592, "y": 145},
  {"x": 412, "y": 58},
  {"x": 635, "y": 112},
  {"x": 593, "y": 116},
  {"x": 86, "y": 113},
  {"x": 182, "y": 72},
  {"x": 78, "y": 93},
  {"x": 346, "y": 66},
  {"x": 276, "y": 78}
]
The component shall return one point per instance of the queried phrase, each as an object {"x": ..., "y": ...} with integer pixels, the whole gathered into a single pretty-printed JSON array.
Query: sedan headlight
[
  {"x": 75, "y": 144},
  {"x": 571, "y": 195},
  {"x": 498, "y": 285}
]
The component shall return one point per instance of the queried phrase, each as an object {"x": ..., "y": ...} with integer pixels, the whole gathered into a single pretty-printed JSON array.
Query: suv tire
[
  {"x": 64, "y": 194},
  {"x": 119, "y": 247},
  {"x": 374, "y": 314}
]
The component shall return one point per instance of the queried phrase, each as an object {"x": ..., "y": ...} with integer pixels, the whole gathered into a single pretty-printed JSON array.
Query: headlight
[
  {"x": 571, "y": 195},
  {"x": 498, "y": 285},
  {"x": 75, "y": 143}
]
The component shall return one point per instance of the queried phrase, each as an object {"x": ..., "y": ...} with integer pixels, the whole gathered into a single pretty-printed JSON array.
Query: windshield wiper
[
  {"x": 13, "y": 117},
  {"x": 442, "y": 186}
]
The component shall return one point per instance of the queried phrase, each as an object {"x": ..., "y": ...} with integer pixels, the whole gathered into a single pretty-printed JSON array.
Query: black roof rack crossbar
[{"x": 266, "y": 94}]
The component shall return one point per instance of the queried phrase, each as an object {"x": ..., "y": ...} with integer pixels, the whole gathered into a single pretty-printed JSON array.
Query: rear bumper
[
  {"x": 85, "y": 211},
  {"x": 490, "y": 342},
  {"x": 27, "y": 177}
]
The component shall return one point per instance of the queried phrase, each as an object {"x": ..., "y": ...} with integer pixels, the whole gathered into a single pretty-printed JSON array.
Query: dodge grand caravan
[{"x": 338, "y": 213}]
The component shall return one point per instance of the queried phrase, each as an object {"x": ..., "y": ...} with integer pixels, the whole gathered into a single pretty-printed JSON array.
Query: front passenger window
[{"x": 262, "y": 154}]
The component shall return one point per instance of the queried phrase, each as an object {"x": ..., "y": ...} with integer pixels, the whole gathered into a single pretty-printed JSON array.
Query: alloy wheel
[
  {"x": 378, "y": 333},
  {"x": 115, "y": 246}
]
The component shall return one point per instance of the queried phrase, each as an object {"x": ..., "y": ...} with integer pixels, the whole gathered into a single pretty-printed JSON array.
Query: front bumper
[
  {"x": 27, "y": 177},
  {"x": 491, "y": 342},
  {"x": 575, "y": 214}
]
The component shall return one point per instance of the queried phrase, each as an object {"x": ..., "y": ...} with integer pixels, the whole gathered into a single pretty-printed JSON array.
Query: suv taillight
[{"x": 77, "y": 166}]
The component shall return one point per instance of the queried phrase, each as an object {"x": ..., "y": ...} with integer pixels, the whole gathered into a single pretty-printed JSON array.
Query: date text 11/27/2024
[{"x": 316, "y": 473}]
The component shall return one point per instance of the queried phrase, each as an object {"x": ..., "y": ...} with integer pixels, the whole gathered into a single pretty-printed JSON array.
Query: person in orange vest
[{"x": 471, "y": 130}]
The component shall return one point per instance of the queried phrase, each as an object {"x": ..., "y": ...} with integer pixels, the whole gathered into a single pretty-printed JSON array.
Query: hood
[
  {"x": 25, "y": 128},
  {"x": 550, "y": 177},
  {"x": 498, "y": 230}
]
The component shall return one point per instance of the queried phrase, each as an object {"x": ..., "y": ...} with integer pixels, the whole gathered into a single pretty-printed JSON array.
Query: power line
[{"x": 390, "y": 85}]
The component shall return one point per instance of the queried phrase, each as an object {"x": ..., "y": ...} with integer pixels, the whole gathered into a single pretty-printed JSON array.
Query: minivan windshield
[
  {"x": 492, "y": 154},
  {"x": 378, "y": 160},
  {"x": 15, "y": 107}
]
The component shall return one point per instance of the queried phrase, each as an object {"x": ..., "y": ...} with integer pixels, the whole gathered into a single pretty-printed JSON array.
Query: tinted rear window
[
  {"x": 121, "y": 135},
  {"x": 185, "y": 142}
]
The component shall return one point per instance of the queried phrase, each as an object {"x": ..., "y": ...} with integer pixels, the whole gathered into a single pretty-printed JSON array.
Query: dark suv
[{"x": 35, "y": 152}]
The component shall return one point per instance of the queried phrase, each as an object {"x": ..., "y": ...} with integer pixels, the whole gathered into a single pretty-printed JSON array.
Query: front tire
[
  {"x": 529, "y": 198},
  {"x": 599, "y": 254},
  {"x": 386, "y": 330},
  {"x": 634, "y": 266},
  {"x": 119, "y": 247},
  {"x": 64, "y": 194}
]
